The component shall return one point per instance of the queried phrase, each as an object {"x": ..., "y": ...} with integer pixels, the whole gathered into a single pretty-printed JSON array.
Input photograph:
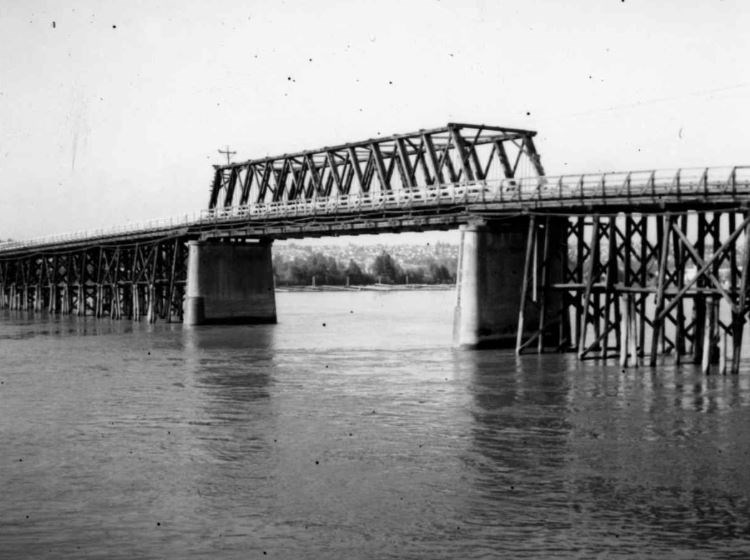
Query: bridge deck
[{"x": 434, "y": 207}]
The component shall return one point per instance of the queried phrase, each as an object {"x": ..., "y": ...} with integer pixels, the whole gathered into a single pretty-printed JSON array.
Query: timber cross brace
[
  {"x": 636, "y": 286},
  {"x": 132, "y": 280}
]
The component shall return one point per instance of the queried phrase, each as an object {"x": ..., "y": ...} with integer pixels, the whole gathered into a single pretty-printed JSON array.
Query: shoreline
[{"x": 368, "y": 288}]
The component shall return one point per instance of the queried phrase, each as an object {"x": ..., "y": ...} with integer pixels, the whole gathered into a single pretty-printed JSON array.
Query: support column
[
  {"x": 52, "y": 298},
  {"x": 489, "y": 285},
  {"x": 38, "y": 298},
  {"x": 229, "y": 283}
]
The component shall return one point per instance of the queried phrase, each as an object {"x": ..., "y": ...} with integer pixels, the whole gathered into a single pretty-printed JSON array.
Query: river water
[{"x": 351, "y": 429}]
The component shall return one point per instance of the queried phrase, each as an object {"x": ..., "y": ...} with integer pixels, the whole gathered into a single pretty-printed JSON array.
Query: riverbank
[{"x": 368, "y": 288}]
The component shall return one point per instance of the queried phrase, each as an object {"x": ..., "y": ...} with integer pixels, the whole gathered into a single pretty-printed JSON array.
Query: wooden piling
[
  {"x": 738, "y": 317},
  {"x": 151, "y": 313},
  {"x": 658, "y": 324},
  {"x": 708, "y": 338},
  {"x": 530, "y": 242},
  {"x": 136, "y": 311},
  {"x": 624, "y": 331},
  {"x": 589, "y": 286},
  {"x": 723, "y": 353}
]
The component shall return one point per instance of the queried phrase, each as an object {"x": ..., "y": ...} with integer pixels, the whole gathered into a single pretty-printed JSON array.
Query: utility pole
[{"x": 228, "y": 154}]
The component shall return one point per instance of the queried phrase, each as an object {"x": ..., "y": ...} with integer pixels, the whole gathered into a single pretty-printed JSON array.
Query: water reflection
[
  {"x": 232, "y": 370},
  {"x": 20, "y": 325},
  {"x": 340, "y": 434},
  {"x": 518, "y": 405},
  {"x": 568, "y": 451}
]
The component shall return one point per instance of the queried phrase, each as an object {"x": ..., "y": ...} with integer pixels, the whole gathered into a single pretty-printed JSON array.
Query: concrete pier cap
[{"x": 229, "y": 282}]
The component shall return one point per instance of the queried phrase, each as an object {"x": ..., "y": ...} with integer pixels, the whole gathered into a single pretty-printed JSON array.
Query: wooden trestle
[
  {"x": 640, "y": 286},
  {"x": 124, "y": 280}
]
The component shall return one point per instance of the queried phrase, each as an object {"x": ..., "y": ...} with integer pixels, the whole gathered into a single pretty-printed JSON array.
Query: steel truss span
[
  {"x": 136, "y": 280},
  {"x": 452, "y": 154},
  {"x": 639, "y": 286}
]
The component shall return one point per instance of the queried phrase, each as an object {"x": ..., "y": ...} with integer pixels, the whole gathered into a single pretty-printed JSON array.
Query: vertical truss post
[{"x": 463, "y": 156}]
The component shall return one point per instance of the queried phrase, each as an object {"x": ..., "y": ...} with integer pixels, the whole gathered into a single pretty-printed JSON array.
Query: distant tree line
[{"x": 320, "y": 269}]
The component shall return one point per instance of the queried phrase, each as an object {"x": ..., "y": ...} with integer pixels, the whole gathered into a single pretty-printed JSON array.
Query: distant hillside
[{"x": 302, "y": 265}]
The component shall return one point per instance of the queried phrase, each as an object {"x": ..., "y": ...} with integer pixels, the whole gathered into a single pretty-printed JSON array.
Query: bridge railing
[
  {"x": 135, "y": 228},
  {"x": 632, "y": 186}
]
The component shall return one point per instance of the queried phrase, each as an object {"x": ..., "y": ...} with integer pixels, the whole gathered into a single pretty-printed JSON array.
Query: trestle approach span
[{"x": 632, "y": 264}]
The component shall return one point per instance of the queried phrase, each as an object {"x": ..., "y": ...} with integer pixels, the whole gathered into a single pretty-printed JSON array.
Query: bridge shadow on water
[
  {"x": 591, "y": 457},
  {"x": 232, "y": 369}
]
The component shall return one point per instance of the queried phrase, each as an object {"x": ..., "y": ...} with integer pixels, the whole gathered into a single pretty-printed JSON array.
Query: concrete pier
[
  {"x": 489, "y": 284},
  {"x": 229, "y": 283}
]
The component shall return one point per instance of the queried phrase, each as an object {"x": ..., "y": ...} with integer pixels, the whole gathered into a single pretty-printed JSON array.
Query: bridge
[{"x": 636, "y": 264}]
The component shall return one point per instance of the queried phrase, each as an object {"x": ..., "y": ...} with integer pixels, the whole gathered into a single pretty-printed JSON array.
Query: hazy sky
[{"x": 114, "y": 111}]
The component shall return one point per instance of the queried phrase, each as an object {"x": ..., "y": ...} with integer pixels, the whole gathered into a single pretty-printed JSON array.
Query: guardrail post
[
  {"x": 627, "y": 183},
  {"x": 705, "y": 181},
  {"x": 652, "y": 180}
]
